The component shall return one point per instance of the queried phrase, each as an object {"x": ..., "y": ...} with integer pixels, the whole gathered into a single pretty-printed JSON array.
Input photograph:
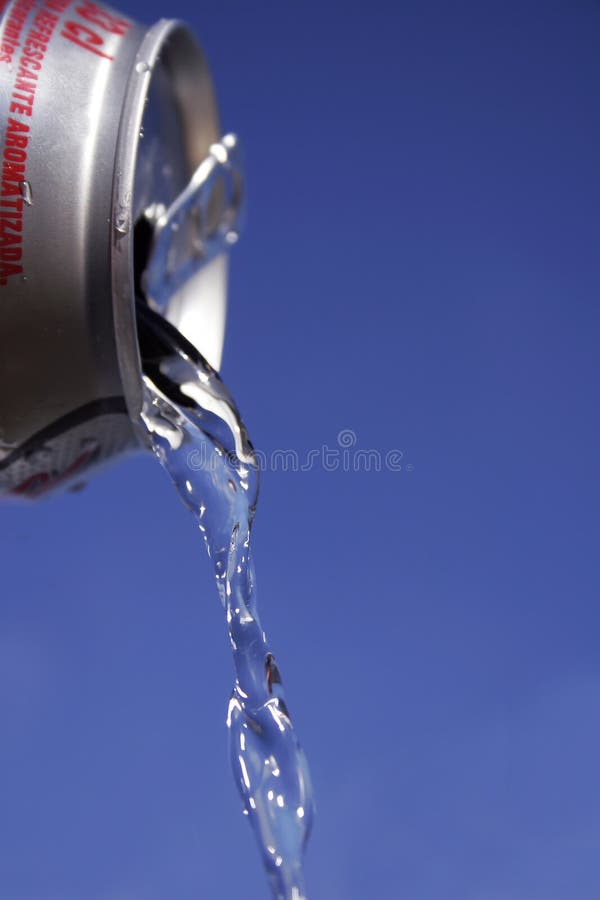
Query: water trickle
[
  {"x": 198, "y": 436},
  {"x": 26, "y": 192}
]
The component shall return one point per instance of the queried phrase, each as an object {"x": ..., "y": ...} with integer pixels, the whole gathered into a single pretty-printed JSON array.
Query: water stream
[{"x": 200, "y": 440}]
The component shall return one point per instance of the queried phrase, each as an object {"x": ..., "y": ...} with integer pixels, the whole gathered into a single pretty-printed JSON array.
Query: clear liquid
[{"x": 198, "y": 436}]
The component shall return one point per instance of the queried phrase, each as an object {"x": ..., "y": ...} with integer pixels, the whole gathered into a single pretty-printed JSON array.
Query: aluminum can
[{"x": 109, "y": 137}]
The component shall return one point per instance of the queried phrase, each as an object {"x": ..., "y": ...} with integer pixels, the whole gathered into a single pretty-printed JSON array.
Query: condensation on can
[{"x": 101, "y": 119}]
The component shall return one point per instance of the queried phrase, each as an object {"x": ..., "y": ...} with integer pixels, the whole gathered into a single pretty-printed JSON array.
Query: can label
[
  {"x": 66, "y": 450},
  {"x": 23, "y": 47}
]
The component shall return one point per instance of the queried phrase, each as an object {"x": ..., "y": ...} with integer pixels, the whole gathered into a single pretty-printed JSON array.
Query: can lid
[{"x": 177, "y": 182}]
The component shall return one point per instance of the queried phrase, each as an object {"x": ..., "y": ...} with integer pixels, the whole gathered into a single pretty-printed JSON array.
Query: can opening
[{"x": 142, "y": 243}]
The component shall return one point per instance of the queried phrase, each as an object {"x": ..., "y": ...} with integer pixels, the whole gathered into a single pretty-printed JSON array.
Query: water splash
[{"x": 198, "y": 435}]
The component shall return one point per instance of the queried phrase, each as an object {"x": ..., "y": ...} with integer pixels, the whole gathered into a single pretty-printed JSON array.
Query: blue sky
[{"x": 420, "y": 265}]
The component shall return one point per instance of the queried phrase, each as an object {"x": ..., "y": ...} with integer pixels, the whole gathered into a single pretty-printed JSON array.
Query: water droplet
[
  {"x": 231, "y": 238},
  {"x": 122, "y": 220},
  {"x": 26, "y": 192},
  {"x": 142, "y": 66},
  {"x": 198, "y": 247}
]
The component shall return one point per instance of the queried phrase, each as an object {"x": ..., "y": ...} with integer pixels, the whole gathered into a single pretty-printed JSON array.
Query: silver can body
[{"x": 100, "y": 119}]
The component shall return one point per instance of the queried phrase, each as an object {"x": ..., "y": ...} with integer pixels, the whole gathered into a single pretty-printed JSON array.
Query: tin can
[{"x": 114, "y": 181}]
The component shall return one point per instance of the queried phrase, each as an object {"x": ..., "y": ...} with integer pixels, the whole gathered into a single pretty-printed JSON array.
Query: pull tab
[{"x": 201, "y": 223}]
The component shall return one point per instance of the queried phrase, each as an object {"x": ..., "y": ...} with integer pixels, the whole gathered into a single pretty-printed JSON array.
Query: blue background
[{"x": 420, "y": 265}]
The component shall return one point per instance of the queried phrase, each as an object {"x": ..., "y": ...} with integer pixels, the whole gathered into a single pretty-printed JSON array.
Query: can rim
[{"x": 200, "y": 126}]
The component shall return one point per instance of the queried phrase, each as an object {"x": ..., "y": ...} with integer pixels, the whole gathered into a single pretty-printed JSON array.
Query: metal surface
[
  {"x": 100, "y": 119},
  {"x": 198, "y": 226}
]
